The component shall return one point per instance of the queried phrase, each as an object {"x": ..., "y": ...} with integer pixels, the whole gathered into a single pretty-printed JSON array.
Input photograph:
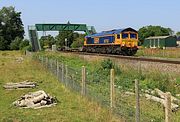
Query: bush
[
  {"x": 24, "y": 44},
  {"x": 107, "y": 64},
  {"x": 15, "y": 44},
  {"x": 3, "y": 43},
  {"x": 77, "y": 43}
]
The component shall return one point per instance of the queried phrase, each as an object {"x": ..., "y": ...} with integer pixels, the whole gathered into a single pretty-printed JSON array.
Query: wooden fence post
[
  {"x": 50, "y": 61},
  {"x": 39, "y": 57},
  {"x": 168, "y": 107},
  {"x": 57, "y": 69},
  {"x": 83, "y": 81},
  {"x": 46, "y": 62},
  {"x": 112, "y": 96},
  {"x": 137, "y": 100},
  {"x": 66, "y": 75},
  {"x": 139, "y": 67},
  {"x": 62, "y": 73},
  {"x": 42, "y": 60}
]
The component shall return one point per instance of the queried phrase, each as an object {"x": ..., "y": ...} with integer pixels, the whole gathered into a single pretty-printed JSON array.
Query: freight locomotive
[{"x": 118, "y": 41}]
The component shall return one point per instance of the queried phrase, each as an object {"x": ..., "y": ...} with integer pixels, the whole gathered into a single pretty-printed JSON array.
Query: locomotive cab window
[
  {"x": 118, "y": 36},
  {"x": 124, "y": 35},
  {"x": 133, "y": 36}
]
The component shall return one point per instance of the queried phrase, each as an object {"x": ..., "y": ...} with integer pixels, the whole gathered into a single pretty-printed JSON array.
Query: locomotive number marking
[{"x": 106, "y": 41}]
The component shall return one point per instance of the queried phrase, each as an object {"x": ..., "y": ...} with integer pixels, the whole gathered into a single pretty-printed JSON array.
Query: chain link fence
[{"x": 102, "y": 88}]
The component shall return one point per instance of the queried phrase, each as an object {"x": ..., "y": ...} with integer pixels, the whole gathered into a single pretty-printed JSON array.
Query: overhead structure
[
  {"x": 33, "y": 36},
  {"x": 66, "y": 27},
  {"x": 56, "y": 27}
]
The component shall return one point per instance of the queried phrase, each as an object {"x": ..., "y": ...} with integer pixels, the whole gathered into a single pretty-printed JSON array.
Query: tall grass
[{"x": 165, "y": 53}]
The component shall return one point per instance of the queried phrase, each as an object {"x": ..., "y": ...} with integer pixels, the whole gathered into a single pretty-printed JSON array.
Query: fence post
[
  {"x": 163, "y": 52},
  {"x": 66, "y": 75},
  {"x": 42, "y": 58},
  {"x": 139, "y": 67},
  {"x": 39, "y": 57},
  {"x": 54, "y": 67},
  {"x": 57, "y": 69},
  {"x": 168, "y": 107},
  {"x": 46, "y": 62},
  {"x": 137, "y": 100},
  {"x": 83, "y": 80},
  {"x": 50, "y": 62},
  {"x": 62, "y": 75},
  {"x": 112, "y": 88}
]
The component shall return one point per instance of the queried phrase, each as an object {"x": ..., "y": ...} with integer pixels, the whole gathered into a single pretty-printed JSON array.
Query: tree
[
  {"x": 3, "y": 43},
  {"x": 11, "y": 26},
  {"x": 148, "y": 31},
  {"x": 178, "y": 34},
  {"x": 47, "y": 41},
  {"x": 60, "y": 38},
  {"x": 24, "y": 44},
  {"x": 15, "y": 44},
  {"x": 79, "y": 41}
]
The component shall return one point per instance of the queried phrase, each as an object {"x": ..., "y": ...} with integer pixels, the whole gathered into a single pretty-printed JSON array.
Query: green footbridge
[{"x": 33, "y": 35}]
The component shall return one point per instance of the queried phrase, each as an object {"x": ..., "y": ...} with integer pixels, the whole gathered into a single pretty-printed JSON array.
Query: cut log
[
  {"x": 38, "y": 98},
  {"x": 162, "y": 95},
  {"x": 36, "y": 105},
  {"x": 43, "y": 102},
  {"x": 18, "y": 86},
  {"x": 24, "y": 84},
  {"x": 35, "y": 94},
  {"x": 46, "y": 106},
  {"x": 174, "y": 107},
  {"x": 129, "y": 93}
]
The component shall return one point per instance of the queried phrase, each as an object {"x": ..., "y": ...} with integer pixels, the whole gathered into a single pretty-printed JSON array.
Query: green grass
[
  {"x": 166, "y": 53},
  {"x": 70, "y": 108},
  {"x": 98, "y": 81}
]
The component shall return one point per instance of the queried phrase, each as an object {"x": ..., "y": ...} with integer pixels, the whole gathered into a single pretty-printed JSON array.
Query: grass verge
[{"x": 70, "y": 108}]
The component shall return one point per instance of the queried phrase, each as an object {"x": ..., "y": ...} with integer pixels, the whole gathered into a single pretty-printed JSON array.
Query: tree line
[
  {"x": 64, "y": 38},
  {"x": 12, "y": 33}
]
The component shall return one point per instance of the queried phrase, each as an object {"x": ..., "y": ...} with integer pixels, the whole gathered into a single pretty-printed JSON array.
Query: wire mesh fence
[{"x": 128, "y": 102}]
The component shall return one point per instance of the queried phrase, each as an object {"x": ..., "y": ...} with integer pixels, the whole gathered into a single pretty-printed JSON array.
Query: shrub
[
  {"x": 107, "y": 64},
  {"x": 24, "y": 44},
  {"x": 15, "y": 44}
]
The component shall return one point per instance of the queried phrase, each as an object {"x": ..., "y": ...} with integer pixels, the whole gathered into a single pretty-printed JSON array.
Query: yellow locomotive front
[{"x": 128, "y": 41}]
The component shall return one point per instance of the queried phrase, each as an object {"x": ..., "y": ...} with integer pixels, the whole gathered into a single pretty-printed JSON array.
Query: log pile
[
  {"x": 19, "y": 59},
  {"x": 158, "y": 96},
  {"x": 161, "y": 99},
  {"x": 24, "y": 84},
  {"x": 35, "y": 100}
]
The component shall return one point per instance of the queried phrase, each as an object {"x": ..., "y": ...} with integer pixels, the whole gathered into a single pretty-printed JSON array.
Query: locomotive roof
[{"x": 115, "y": 31}]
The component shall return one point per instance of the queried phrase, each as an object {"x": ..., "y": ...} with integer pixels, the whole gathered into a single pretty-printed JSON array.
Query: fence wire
[{"x": 97, "y": 88}]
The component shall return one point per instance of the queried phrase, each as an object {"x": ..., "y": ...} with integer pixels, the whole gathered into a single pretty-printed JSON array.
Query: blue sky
[{"x": 103, "y": 14}]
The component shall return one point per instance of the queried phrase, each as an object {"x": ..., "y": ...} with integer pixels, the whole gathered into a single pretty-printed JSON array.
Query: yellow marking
[{"x": 96, "y": 40}]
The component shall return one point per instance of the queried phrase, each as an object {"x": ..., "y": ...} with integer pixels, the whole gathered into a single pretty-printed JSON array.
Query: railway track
[{"x": 147, "y": 59}]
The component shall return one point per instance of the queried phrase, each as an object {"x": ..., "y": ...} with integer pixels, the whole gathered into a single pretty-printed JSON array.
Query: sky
[{"x": 102, "y": 14}]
